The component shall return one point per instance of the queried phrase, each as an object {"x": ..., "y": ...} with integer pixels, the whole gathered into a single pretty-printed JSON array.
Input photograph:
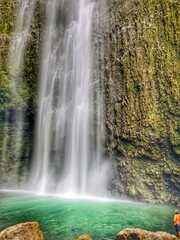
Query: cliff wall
[
  {"x": 141, "y": 75},
  {"x": 17, "y": 132}
]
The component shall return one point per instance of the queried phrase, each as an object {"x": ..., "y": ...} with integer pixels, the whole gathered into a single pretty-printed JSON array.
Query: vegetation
[
  {"x": 18, "y": 95},
  {"x": 142, "y": 97}
]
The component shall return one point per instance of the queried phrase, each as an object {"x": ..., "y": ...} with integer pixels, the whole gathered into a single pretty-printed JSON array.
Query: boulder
[
  {"x": 22, "y": 231},
  {"x": 140, "y": 234},
  {"x": 84, "y": 237}
]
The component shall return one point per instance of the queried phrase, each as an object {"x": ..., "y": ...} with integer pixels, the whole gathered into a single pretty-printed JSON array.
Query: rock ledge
[
  {"x": 22, "y": 231},
  {"x": 140, "y": 234}
]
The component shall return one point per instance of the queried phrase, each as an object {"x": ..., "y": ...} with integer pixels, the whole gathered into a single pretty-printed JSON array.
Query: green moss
[
  {"x": 177, "y": 150},
  {"x": 18, "y": 95},
  {"x": 143, "y": 68}
]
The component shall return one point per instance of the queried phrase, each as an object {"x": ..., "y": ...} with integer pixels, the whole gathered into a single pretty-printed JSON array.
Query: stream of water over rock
[{"x": 68, "y": 157}]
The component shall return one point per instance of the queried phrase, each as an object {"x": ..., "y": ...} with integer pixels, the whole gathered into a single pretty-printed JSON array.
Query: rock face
[
  {"x": 84, "y": 237},
  {"x": 140, "y": 64},
  {"x": 139, "y": 234},
  {"x": 22, "y": 231},
  {"x": 14, "y": 160}
]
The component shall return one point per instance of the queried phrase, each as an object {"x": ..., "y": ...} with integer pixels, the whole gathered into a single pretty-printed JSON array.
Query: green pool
[{"x": 66, "y": 219}]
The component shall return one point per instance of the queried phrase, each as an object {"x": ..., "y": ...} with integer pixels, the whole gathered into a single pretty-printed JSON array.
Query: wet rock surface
[
  {"x": 140, "y": 234},
  {"x": 84, "y": 237},
  {"x": 23, "y": 231},
  {"x": 140, "y": 64}
]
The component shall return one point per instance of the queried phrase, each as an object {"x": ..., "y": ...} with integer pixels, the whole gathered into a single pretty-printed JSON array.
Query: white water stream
[
  {"x": 68, "y": 151},
  {"x": 67, "y": 156},
  {"x": 23, "y": 22}
]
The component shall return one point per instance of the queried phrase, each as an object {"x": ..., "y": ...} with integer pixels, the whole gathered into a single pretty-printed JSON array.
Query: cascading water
[
  {"x": 23, "y": 22},
  {"x": 67, "y": 156}
]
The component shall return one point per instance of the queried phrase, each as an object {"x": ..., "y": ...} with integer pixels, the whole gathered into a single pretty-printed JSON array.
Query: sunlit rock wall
[
  {"x": 15, "y": 154},
  {"x": 142, "y": 98}
]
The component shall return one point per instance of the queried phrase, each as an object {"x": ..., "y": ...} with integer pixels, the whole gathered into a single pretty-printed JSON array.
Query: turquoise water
[{"x": 67, "y": 218}]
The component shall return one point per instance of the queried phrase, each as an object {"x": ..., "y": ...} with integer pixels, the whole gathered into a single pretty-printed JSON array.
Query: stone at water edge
[
  {"x": 84, "y": 237},
  {"x": 22, "y": 231},
  {"x": 140, "y": 234}
]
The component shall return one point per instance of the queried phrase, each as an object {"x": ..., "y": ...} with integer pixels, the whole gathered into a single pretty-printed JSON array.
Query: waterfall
[
  {"x": 68, "y": 157},
  {"x": 23, "y": 22}
]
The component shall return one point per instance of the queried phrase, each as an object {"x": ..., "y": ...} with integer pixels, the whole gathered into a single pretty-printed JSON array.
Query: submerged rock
[
  {"x": 140, "y": 234},
  {"x": 84, "y": 237},
  {"x": 23, "y": 231}
]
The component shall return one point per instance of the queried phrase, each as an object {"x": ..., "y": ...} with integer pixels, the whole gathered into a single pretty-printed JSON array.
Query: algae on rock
[
  {"x": 14, "y": 154},
  {"x": 143, "y": 97}
]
